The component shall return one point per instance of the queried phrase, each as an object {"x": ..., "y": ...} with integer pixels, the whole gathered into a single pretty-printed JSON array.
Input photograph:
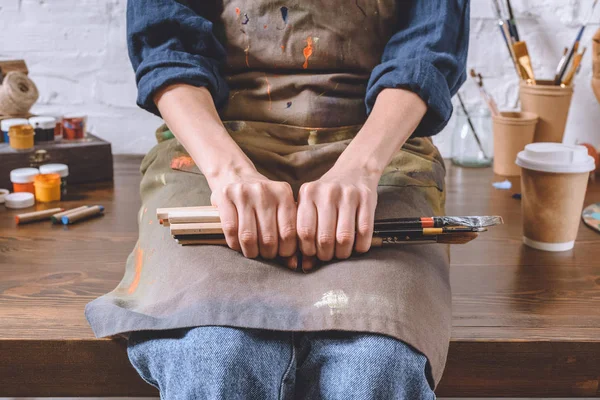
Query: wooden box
[{"x": 89, "y": 159}]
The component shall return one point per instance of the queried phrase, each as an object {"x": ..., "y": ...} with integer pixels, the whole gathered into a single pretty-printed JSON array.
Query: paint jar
[
  {"x": 44, "y": 128},
  {"x": 60, "y": 169},
  {"x": 5, "y": 125},
  {"x": 21, "y": 137},
  {"x": 472, "y": 149},
  {"x": 74, "y": 126},
  {"x": 47, "y": 187},
  {"x": 58, "y": 128},
  {"x": 554, "y": 179},
  {"x": 22, "y": 179}
]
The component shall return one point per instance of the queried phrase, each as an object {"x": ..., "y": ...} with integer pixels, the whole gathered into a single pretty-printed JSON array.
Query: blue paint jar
[{"x": 5, "y": 125}]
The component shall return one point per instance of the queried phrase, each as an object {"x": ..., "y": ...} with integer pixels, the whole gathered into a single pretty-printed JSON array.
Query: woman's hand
[
  {"x": 336, "y": 215},
  {"x": 258, "y": 215}
]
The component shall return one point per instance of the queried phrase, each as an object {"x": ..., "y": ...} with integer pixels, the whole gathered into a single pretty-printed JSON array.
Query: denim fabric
[
  {"x": 216, "y": 362},
  {"x": 171, "y": 41}
]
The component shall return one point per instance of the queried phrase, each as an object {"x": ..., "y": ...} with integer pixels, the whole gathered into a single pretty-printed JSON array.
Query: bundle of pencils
[
  {"x": 569, "y": 64},
  {"x": 202, "y": 226}
]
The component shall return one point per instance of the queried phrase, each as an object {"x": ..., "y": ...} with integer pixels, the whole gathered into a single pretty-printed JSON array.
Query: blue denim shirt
[{"x": 171, "y": 42}]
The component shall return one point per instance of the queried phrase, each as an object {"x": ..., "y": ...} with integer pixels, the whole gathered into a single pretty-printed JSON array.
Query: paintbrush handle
[{"x": 475, "y": 135}]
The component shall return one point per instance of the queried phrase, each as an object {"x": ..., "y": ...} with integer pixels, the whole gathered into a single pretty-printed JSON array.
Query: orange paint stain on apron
[
  {"x": 237, "y": 11},
  {"x": 182, "y": 162},
  {"x": 308, "y": 50},
  {"x": 139, "y": 264}
]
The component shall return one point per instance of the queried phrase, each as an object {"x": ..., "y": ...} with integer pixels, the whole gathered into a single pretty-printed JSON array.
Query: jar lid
[
  {"x": 19, "y": 200},
  {"x": 555, "y": 157},
  {"x": 3, "y": 193},
  {"x": 43, "y": 122},
  {"x": 61, "y": 169},
  {"x": 5, "y": 124},
  {"x": 74, "y": 116},
  {"x": 23, "y": 175}
]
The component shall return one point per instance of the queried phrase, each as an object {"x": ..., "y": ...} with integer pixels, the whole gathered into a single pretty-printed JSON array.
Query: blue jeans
[{"x": 216, "y": 362}]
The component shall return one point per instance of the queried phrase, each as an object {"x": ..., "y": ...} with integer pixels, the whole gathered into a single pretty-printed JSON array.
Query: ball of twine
[{"x": 17, "y": 94}]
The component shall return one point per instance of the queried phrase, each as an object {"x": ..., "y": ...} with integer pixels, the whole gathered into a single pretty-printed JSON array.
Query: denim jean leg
[
  {"x": 213, "y": 362},
  {"x": 346, "y": 365}
]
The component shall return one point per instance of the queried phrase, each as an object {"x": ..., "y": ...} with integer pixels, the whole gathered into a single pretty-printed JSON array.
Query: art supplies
[
  {"x": 512, "y": 132},
  {"x": 596, "y": 64},
  {"x": 19, "y": 200},
  {"x": 60, "y": 169},
  {"x": 5, "y": 125},
  {"x": 3, "y": 192},
  {"x": 17, "y": 94},
  {"x": 44, "y": 128},
  {"x": 200, "y": 226},
  {"x": 36, "y": 216},
  {"x": 57, "y": 218},
  {"x": 74, "y": 126},
  {"x": 489, "y": 100},
  {"x": 20, "y": 137},
  {"x": 554, "y": 179},
  {"x": 47, "y": 187},
  {"x": 568, "y": 79},
  {"x": 22, "y": 179},
  {"x": 512, "y": 22},
  {"x": 559, "y": 78},
  {"x": 475, "y": 135},
  {"x": 591, "y": 216},
  {"x": 77, "y": 216},
  {"x": 524, "y": 61},
  {"x": 551, "y": 103}
]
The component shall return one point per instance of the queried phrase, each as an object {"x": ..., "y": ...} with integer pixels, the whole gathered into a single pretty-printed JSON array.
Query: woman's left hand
[{"x": 336, "y": 215}]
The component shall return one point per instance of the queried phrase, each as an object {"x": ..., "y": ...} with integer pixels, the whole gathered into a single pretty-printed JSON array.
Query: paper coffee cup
[
  {"x": 512, "y": 132},
  {"x": 551, "y": 103},
  {"x": 554, "y": 180}
]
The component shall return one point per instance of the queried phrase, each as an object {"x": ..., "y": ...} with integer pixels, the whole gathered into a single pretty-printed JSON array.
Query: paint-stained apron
[{"x": 297, "y": 72}]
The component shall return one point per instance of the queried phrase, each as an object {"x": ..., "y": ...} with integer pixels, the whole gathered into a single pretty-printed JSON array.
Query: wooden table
[{"x": 526, "y": 322}]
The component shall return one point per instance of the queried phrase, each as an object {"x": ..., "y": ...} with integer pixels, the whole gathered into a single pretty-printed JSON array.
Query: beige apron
[{"x": 297, "y": 73}]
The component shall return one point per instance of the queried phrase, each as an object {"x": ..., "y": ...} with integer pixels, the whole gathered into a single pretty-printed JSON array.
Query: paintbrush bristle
[{"x": 473, "y": 73}]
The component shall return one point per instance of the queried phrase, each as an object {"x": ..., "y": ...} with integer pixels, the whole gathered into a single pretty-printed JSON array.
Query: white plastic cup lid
[
  {"x": 5, "y": 124},
  {"x": 556, "y": 157},
  {"x": 43, "y": 122},
  {"x": 23, "y": 175},
  {"x": 19, "y": 200},
  {"x": 61, "y": 169},
  {"x": 3, "y": 193}
]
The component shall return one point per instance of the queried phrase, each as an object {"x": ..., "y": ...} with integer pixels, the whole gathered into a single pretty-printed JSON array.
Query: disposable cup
[{"x": 512, "y": 132}]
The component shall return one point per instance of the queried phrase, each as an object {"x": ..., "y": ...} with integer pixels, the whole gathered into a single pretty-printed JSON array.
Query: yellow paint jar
[
  {"x": 21, "y": 137},
  {"x": 47, "y": 187}
]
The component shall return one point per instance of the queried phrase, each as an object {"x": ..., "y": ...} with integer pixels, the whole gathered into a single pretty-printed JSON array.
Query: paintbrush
[
  {"x": 437, "y": 222},
  {"x": 522, "y": 57},
  {"x": 506, "y": 34},
  {"x": 518, "y": 68},
  {"x": 558, "y": 79},
  {"x": 462, "y": 105},
  {"x": 562, "y": 61},
  {"x": 489, "y": 100},
  {"x": 512, "y": 21},
  {"x": 450, "y": 238},
  {"x": 574, "y": 68}
]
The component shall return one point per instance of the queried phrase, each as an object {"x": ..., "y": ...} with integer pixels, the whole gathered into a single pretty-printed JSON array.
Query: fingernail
[{"x": 293, "y": 262}]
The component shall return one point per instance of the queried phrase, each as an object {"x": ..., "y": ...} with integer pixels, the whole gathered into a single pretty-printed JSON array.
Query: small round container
[
  {"x": 44, "y": 128},
  {"x": 21, "y": 137},
  {"x": 22, "y": 179},
  {"x": 47, "y": 187},
  {"x": 3, "y": 193},
  {"x": 74, "y": 126},
  {"x": 5, "y": 125},
  {"x": 60, "y": 169},
  {"x": 19, "y": 200}
]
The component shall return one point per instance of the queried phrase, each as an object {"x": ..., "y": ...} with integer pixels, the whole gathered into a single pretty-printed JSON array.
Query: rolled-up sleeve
[
  {"x": 427, "y": 56},
  {"x": 170, "y": 42}
]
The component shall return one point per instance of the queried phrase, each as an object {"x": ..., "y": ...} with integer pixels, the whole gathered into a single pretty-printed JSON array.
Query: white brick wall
[{"x": 76, "y": 53}]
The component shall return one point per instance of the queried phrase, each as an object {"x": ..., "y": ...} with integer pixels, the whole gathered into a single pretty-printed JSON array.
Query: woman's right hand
[{"x": 258, "y": 215}]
